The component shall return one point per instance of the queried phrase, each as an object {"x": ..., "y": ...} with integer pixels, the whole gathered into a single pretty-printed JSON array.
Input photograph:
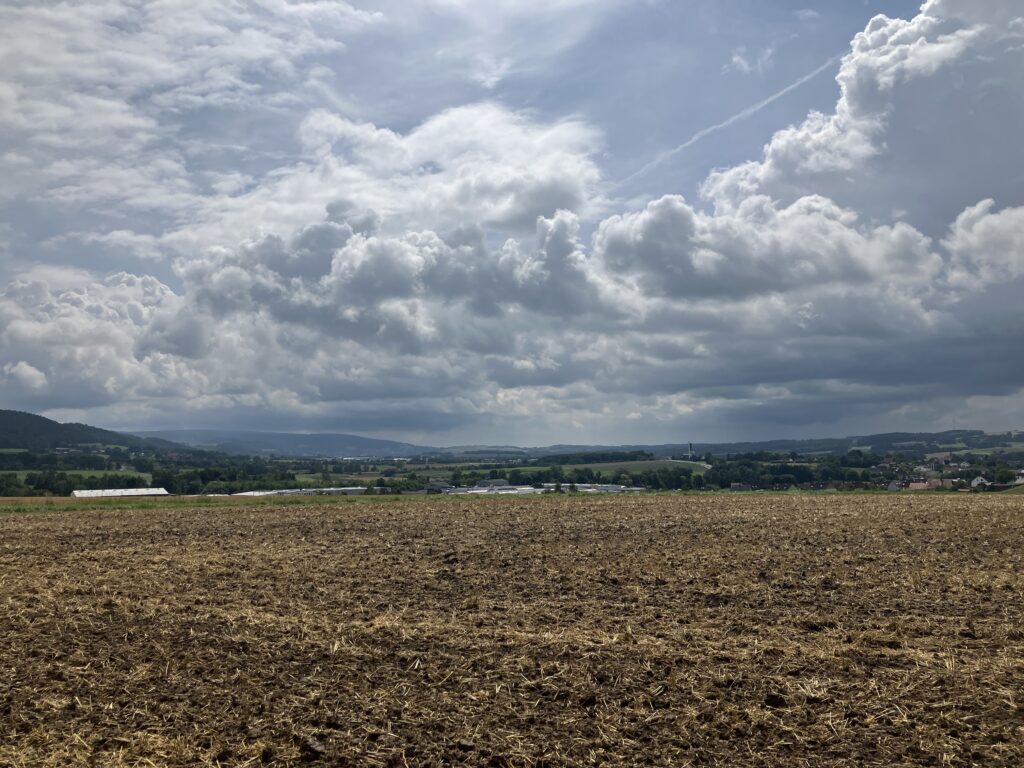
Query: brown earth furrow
[{"x": 557, "y": 631}]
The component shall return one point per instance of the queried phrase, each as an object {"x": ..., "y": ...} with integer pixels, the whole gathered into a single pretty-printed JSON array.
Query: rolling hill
[
  {"x": 27, "y": 431},
  {"x": 288, "y": 443}
]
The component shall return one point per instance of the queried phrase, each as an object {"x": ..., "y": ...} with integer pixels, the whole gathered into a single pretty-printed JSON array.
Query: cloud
[
  {"x": 885, "y": 147},
  {"x": 987, "y": 245},
  {"x": 996, "y": 13},
  {"x": 95, "y": 92},
  {"x": 480, "y": 163},
  {"x": 743, "y": 114},
  {"x": 24, "y": 375},
  {"x": 760, "y": 248},
  {"x": 745, "y": 63},
  {"x": 80, "y": 338},
  {"x": 462, "y": 275},
  {"x": 491, "y": 41}
]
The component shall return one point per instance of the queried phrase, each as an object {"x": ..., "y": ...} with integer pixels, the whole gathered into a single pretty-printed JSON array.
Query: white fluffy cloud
[
  {"x": 24, "y": 375},
  {"x": 987, "y": 245},
  {"x": 925, "y": 124},
  {"x": 760, "y": 248},
  {"x": 91, "y": 92},
  {"x": 481, "y": 164},
  {"x": 454, "y": 277}
]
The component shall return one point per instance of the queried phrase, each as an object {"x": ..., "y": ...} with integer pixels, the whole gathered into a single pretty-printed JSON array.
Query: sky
[{"x": 514, "y": 221}]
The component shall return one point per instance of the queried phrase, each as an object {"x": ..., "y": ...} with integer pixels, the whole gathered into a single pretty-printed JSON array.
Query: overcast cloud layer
[{"x": 290, "y": 215}]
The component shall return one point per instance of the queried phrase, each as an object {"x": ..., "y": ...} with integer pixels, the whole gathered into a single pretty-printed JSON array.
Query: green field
[
  {"x": 13, "y": 450},
  {"x": 23, "y": 473},
  {"x": 1010, "y": 448},
  {"x": 316, "y": 479},
  {"x": 308, "y": 479},
  {"x": 611, "y": 468}
]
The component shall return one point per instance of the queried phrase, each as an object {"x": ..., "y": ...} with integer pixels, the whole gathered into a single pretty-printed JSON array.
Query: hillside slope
[
  {"x": 289, "y": 444},
  {"x": 37, "y": 434}
]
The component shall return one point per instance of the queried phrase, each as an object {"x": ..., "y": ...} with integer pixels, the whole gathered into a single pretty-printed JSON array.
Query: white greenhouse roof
[{"x": 115, "y": 492}]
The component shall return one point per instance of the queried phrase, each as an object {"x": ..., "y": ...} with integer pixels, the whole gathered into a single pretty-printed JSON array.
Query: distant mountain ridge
[
  {"x": 909, "y": 443},
  {"x": 347, "y": 445},
  {"x": 332, "y": 445},
  {"x": 20, "y": 430}
]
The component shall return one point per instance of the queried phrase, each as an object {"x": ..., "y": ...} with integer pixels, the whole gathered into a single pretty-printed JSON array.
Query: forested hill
[
  {"x": 247, "y": 443},
  {"x": 38, "y": 434},
  {"x": 898, "y": 443}
]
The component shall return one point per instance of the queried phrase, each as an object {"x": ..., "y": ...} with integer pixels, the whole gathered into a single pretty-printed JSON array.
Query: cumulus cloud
[
  {"x": 125, "y": 120},
  {"x": 460, "y": 275},
  {"x": 80, "y": 339},
  {"x": 760, "y": 248},
  {"x": 479, "y": 163},
  {"x": 25, "y": 375},
  {"x": 987, "y": 245},
  {"x": 93, "y": 90},
  {"x": 923, "y": 104}
]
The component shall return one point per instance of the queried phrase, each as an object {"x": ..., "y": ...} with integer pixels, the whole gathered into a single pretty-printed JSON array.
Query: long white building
[
  {"x": 529, "y": 490},
  {"x": 113, "y": 493},
  {"x": 349, "y": 491}
]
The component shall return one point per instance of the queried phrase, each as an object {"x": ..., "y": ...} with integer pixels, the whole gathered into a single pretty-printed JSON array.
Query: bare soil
[{"x": 748, "y": 630}]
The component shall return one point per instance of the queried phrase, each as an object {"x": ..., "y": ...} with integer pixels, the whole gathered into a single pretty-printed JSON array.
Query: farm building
[
  {"x": 606, "y": 488},
  {"x": 529, "y": 490},
  {"x": 112, "y": 493},
  {"x": 351, "y": 491},
  {"x": 503, "y": 490}
]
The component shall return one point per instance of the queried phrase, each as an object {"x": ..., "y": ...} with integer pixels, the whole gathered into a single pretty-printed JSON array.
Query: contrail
[{"x": 748, "y": 112}]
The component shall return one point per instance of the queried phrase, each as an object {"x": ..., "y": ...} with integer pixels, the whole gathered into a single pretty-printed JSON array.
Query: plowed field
[{"x": 667, "y": 631}]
